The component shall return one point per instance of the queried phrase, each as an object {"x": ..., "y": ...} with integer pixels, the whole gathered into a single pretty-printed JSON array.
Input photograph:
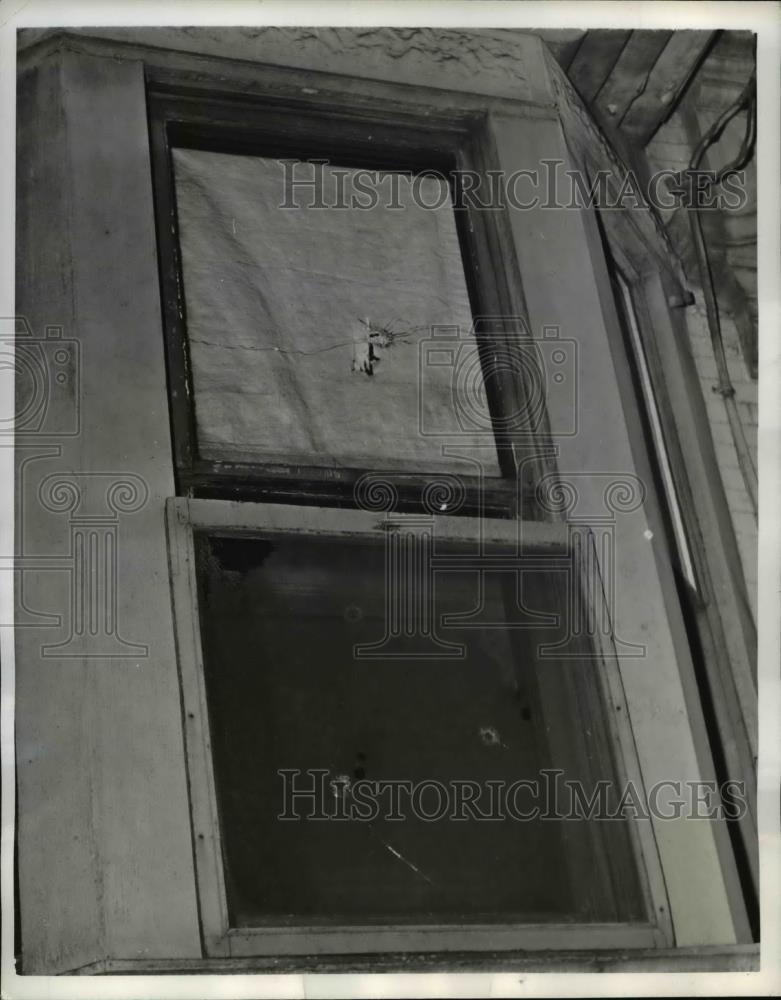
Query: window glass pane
[
  {"x": 280, "y": 622},
  {"x": 283, "y": 368}
]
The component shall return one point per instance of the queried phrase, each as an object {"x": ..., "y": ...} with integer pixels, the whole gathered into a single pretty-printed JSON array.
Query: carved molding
[{"x": 501, "y": 64}]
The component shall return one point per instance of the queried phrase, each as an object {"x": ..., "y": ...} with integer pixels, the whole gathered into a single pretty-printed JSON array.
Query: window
[
  {"x": 305, "y": 323},
  {"x": 274, "y": 316},
  {"x": 189, "y": 887},
  {"x": 297, "y": 668},
  {"x": 444, "y": 627}
]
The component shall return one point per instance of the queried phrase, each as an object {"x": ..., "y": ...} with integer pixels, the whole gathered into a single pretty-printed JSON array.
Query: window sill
[{"x": 705, "y": 958}]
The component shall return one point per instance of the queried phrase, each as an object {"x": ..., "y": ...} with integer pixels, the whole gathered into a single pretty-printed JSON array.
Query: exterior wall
[
  {"x": 731, "y": 239},
  {"x": 741, "y": 510}
]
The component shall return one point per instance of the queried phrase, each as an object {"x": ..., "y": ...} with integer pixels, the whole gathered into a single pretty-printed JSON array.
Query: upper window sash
[{"x": 460, "y": 143}]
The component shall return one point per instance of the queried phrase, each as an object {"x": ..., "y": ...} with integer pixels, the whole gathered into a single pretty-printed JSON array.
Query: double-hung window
[{"x": 405, "y": 715}]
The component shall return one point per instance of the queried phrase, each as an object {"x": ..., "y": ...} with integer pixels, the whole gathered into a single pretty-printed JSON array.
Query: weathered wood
[
  {"x": 731, "y": 236},
  {"x": 496, "y": 497},
  {"x": 729, "y": 637},
  {"x": 676, "y": 608},
  {"x": 562, "y": 42},
  {"x": 629, "y": 767},
  {"x": 205, "y": 828},
  {"x": 281, "y": 518},
  {"x": 269, "y": 520},
  {"x": 653, "y": 683},
  {"x": 104, "y": 860},
  {"x": 628, "y": 77},
  {"x": 60, "y": 920},
  {"x": 666, "y": 81},
  {"x": 500, "y": 63},
  {"x": 594, "y": 60},
  {"x": 639, "y": 231},
  {"x": 446, "y": 938},
  {"x": 735, "y": 958}
]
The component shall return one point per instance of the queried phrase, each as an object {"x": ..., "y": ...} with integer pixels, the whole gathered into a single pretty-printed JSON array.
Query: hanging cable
[
  {"x": 746, "y": 98},
  {"x": 746, "y": 101}
]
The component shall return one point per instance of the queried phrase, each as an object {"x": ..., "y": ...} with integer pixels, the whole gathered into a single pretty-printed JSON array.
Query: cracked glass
[{"x": 328, "y": 336}]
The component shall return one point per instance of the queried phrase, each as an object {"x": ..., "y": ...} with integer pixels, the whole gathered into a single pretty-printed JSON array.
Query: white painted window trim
[{"x": 185, "y": 517}]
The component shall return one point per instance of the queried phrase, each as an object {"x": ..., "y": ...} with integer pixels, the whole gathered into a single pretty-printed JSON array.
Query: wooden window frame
[
  {"x": 489, "y": 118},
  {"x": 185, "y": 517},
  {"x": 719, "y": 611},
  {"x": 227, "y": 495},
  {"x": 387, "y": 139},
  {"x": 726, "y": 682}
]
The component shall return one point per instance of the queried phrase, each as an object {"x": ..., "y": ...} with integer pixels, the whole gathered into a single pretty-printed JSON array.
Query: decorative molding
[{"x": 501, "y": 64}]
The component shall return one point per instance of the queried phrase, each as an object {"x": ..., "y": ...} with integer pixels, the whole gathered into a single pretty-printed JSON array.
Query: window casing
[
  {"x": 717, "y": 669},
  {"x": 483, "y": 496}
]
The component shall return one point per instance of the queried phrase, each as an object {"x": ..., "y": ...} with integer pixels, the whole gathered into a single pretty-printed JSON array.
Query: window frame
[
  {"x": 720, "y": 614},
  {"x": 560, "y": 126},
  {"x": 185, "y": 517},
  {"x": 726, "y": 681},
  {"x": 390, "y": 139}
]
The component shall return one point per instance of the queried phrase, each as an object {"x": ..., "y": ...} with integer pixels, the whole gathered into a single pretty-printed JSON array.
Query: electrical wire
[
  {"x": 746, "y": 98},
  {"x": 746, "y": 101}
]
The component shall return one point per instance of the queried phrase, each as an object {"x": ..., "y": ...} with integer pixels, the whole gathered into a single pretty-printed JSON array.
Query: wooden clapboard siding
[
  {"x": 594, "y": 60},
  {"x": 635, "y": 82},
  {"x": 723, "y": 75},
  {"x": 667, "y": 79},
  {"x": 628, "y": 78}
]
